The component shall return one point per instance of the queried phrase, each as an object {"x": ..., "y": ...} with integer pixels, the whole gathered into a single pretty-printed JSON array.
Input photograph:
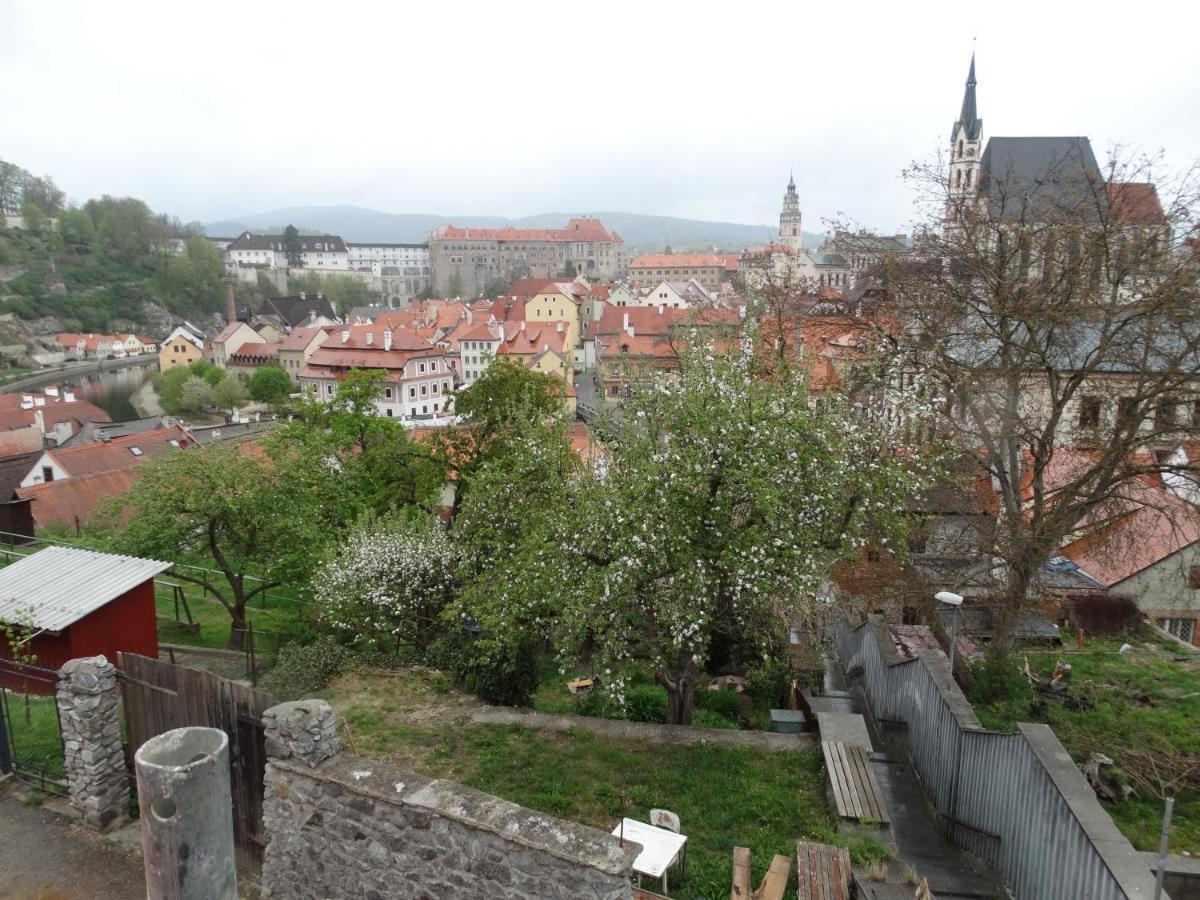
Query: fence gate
[
  {"x": 31, "y": 744},
  {"x": 159, "y": 696}
]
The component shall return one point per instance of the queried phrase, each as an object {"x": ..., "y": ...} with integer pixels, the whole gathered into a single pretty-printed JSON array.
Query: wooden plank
[
  {"x": 855, "y": 804},
  {"x": 774, "y": 883},
  {"x": 854, "y": 766},
  {"x": 803, "y": 872},
  {"x": 868, "y": 788},
  {"x": 836, "y": 779},
  {"x": 740, "y": 888}
]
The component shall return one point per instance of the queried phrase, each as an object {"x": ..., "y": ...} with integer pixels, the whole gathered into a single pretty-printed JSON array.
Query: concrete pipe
[{"x": 187, "y": 815}]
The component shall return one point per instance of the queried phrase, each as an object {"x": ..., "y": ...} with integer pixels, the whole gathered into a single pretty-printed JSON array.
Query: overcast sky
[{"x": 212, "y": 110}]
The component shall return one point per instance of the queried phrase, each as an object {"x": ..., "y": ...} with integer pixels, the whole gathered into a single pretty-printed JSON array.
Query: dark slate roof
[
  {"x": 968, "y": 122},
  {"x": 12, "y": 470},
  {"x": 294, "y": 310},
  {"x": 329, "y": 243},
  {"x": 91, "y": 432},
  {"x": 1032, "y": 178}
]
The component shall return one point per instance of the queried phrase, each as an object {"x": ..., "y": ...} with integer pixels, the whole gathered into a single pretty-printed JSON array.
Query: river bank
[
  {"x": 74, "y": 370},
  {"x": 145, "y": 400}
]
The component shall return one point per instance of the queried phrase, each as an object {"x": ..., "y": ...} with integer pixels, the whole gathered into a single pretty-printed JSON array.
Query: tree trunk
[
  {"x": 680, "y": 683},
  {"x": 237, "y": 633},
  {"x": 1012, "y": 604}
]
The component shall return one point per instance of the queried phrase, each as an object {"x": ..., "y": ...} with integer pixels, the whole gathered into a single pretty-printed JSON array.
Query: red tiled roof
[
  {"x": 576, "y": 230},
  {"x": 528, "y": 287},
  {"x": 77, "y": 412},
  {"x": 227, "y": 332},
  {"x": 299, "y": 338},
  {"x": 253, "y": 353},
  {"x": 533, "y": 339},
  {"x": 76, "y": 499},
  {"x": 1135, "y": 203},
  {"x": 119, "y": 453},
  {"x": 20, "y": 440}
]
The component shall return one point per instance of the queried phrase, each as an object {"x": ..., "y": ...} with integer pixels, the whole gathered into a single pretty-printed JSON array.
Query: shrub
[
  {"x": 707, "y": 718},
  {"x": 500, "y": 672},
  {"x": 722, "y": 703},
  {"x": 598, "y": 703},
  {"x": 303, "y": 669},
  {"x": 646, "y": 703},
  {"x": 768, "y": 684},
  {"x": 1105, "y": 614}
]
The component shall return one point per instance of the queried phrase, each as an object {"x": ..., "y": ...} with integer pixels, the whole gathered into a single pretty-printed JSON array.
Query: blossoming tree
[
  {"x": 718, "y": 504},
  {"x": 388, "y": 583}
]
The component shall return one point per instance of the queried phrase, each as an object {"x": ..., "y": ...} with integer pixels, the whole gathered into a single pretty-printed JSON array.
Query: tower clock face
[{"x": 970, "y": 151}]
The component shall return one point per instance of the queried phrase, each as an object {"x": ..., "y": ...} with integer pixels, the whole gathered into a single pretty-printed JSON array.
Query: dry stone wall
[
  {"x": 358, "y": 827},
  {"x": 91, "y": 731}
]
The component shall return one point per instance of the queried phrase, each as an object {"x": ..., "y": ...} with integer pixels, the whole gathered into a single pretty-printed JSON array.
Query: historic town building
[{"x": 464, "y": 261}]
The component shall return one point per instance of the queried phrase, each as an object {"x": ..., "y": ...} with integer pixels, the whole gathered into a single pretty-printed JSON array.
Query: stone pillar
[
  {"x": 303, "y": 729},
  {"x": 91, "y": 731},
  {"x": 187, "y": 815}
]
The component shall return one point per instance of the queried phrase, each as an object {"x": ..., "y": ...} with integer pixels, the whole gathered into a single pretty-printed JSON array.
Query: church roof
[
  {"x": 968, "y": 122},
  {"x": 1038, "y": 176}
]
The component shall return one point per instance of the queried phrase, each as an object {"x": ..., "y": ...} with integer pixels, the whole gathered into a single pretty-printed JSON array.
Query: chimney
[
  {"x": 559, "y": 328},
  {"x": 345, "y": 335},
  {"x": 39, "y": 419},
  {"x": 370, "y": 338},
  {"x": 630, "y": 331},
  {"x": 661, "y": 307},
  {"x": 522, "y": 325},
  {"x": 230, "y": 306},
  {"x": 625, "y": 321},
  {"x": 387, "y": 339}
]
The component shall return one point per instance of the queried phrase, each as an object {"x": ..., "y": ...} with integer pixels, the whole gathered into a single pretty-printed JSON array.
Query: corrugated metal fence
[{"x": 1014, "y": 799}]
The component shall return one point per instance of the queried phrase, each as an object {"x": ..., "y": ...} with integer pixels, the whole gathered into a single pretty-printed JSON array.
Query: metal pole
[
  {"x": 5, "y": 759},
  {"x": 1161, "y": 865},
  {"x": 953, "y": 640}
]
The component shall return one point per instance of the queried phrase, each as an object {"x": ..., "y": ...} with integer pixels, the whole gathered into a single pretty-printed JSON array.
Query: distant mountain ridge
[{"x": 356, "y": 223}]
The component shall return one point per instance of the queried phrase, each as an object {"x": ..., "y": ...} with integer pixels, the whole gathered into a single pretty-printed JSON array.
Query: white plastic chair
[{"x": 664, "y": 818}]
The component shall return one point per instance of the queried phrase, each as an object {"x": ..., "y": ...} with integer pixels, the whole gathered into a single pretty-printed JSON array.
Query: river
[{"x": 112, "y": 389}]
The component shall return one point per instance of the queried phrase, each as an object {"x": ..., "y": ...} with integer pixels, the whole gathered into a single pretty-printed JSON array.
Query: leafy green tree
[
  {"x": 219, "y": 506},
  {"x": 292, "y": 247},
  {"x": 195, "y": 394},
  {"x": 35, "y": 219},
  {"x": 382, "y": 468},
  {"x": 493, "y": 409},
  {"x": 76, "y": 227},
  {"x": 718, "y": 507},
  {"x": 343, "y": 291},
  {"x": 230, "y": 392},
  {"x": 270, "y": 385}
]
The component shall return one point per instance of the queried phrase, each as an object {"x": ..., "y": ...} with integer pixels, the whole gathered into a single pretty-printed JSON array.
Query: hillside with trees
[{"x": 108, "y": 264}]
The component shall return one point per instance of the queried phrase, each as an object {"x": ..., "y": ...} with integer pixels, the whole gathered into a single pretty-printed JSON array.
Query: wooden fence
[{"x": 159, "y": 696}]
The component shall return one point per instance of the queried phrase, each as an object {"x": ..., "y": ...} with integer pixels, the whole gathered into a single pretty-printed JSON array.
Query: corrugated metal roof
[{"x": 58, "y": 586}]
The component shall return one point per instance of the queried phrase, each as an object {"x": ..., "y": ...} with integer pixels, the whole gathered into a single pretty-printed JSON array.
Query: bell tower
[
  {"x": 789, "y": 218},
  {"x": 966, "y": 144}
]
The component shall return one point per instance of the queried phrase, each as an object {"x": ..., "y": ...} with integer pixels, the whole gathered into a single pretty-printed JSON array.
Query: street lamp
[{"x": 955, "y": 600}]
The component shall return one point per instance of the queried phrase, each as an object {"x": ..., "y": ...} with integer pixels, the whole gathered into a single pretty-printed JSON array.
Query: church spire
[{"x": 968, "y": 122}]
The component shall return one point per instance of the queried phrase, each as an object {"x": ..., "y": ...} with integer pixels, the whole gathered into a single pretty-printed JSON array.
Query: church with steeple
[{"x": 966, "y": 143}]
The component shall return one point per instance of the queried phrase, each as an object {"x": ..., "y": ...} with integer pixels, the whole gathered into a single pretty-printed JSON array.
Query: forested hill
[{"x": 105, "y": 265}]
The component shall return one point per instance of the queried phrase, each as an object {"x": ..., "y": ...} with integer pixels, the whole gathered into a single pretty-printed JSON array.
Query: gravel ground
[{"x": 44, "y": 856}]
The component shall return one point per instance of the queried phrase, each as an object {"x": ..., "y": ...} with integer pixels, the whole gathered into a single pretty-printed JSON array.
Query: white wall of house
[{"x": 44, "y": 470}]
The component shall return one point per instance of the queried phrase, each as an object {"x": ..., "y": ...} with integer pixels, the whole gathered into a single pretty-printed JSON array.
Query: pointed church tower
[
  {"x": 966, "y": 143},
  {"x": 789, "y": 218}
]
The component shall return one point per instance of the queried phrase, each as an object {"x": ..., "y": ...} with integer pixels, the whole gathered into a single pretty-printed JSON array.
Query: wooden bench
[
  {"x": 822, "y": 872},
  {"x": 855, "y": 789}
]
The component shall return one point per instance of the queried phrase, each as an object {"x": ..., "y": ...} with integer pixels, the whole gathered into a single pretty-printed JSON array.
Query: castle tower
[
  {"x": 789, "y": 218},
  {"x": 966, "y": 143}
]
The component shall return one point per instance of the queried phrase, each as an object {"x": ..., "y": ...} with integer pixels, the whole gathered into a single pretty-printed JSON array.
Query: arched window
[
  {"x": 968, "y": 177},
  {"x": 960, "y": 149},
  {"x": 958, "y": 178}
]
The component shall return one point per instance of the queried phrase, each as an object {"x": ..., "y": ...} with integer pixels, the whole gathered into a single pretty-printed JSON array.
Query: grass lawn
[
  {"x": 37, "y": 742},
  {"x": 1145, "y": 702},
  {"x": 724, "y": 797}
]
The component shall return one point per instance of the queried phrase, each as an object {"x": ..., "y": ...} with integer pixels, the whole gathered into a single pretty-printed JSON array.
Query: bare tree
[{"x": 1055, "y": 306}]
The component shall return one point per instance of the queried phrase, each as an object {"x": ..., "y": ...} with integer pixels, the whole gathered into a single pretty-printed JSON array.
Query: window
[
  {"x": 387, "y": 392},
  {"x": 1194, "y": 578},
  {"x": 47, "y": 473},
  {"x": 1126, "y": 408},
  {"x": 412, "y": 393},
  {"x": 1089, "y": 412},
  {"x": 1184, "y": 629},
  {"x": 388, "y": 411},
  {"x": 1164, "y": 414}
]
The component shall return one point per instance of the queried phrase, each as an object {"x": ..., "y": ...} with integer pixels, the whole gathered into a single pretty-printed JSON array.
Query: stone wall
[
  {"x": 91, "y": 731},
  {"x": 351, "y": 826}
]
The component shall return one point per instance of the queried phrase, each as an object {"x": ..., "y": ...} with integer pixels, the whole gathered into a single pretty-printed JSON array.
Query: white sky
[{"x": 212, "y": 110}]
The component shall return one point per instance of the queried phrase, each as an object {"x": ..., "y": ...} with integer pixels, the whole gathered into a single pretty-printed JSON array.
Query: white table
[{"x": 660, "y": 848}]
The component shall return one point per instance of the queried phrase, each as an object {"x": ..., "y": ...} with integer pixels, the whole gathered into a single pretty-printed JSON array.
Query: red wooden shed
[{"x": 71, "y": 602}]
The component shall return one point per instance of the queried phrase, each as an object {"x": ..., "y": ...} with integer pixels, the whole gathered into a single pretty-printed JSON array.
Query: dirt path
[{"x": 44, "y": 856}]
